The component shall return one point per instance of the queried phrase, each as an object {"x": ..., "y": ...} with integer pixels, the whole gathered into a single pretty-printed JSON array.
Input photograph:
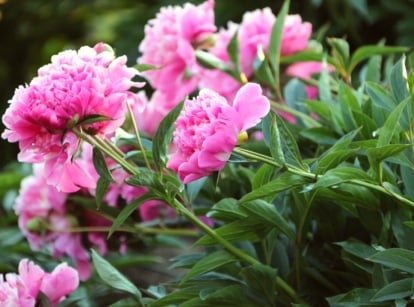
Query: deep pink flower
[
  {"x": 154, "y": 209},
  {"x": 208, "y": 127},
  {"x": 21, "y": 290},
  {"x": 74, "y": 86},
  {"x": 169, "y": 44},
  {"x": 305, "y": 70}
]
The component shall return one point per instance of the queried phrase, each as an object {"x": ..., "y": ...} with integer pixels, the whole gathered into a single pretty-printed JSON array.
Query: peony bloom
[
  {"x": 305, "y": 70},
  {"x": 215, "y": 79},
  {"x": 295, "y": 36},
  {"x": 73, "y": 87},
  {"x": 254, "y": 33},
  {"x": 45, "y": 223},
  {"x": 21, "y": 290},
  {"x": 208, "y": 127},
  {"x": 169, "y": 44}
]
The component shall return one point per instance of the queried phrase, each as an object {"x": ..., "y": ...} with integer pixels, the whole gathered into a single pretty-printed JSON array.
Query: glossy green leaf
[
  {"x": 113, "y": 278},
  {"x": 340, "y": 175},
  {"x": 227, "y": 209},
  {"x": 398, "y": 80},
  {"x": 163, "y": 136},
  {"x": 357, "y": 248},
  {"x": 391, "y": 124},
  {"x": 128, "y": 210},
  {"x": 233, "y": 53},
  {"x": 209, "y": 263},
  {"x": 240, "y": 230},
  {"x": 333, "y": 159},
  {"x": 282, "y": 183},
  {"x": 268, "y": 214},
  {"x": 396, "y": 258},
  {"x": 367, "y": 51},
  {"x": 100, "y": 165},
  {"x": 395, "y": 290},
  {"x": 102, "y": 186},
  {"x": 379, "y": 96},
  {"x": 271, "y": 132},
  {"x": 276, "y": 37}
]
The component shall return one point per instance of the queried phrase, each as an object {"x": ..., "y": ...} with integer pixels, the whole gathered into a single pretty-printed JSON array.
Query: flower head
[
  {"x": 74, "y": 87},
  {"x": 208, "y": 127},
  {"x": 22, "y": 289},
  {"x": 169, "y": 44}
]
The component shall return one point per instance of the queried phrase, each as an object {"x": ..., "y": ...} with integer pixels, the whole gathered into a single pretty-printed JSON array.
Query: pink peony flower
[
  {"x": 154, "y": 209},
  {"x": 218, "y": 80},
  {"x": 295, "y": 35},
  {"x": 305, "y": 70},
  {"x": 150, "y": 116},
  {"x": 254, "y": 33},
  {"x": 208, "y": 127},
  {"x": 21, "y": 290},
  {"x": 45, "y": 223},
  {"x": 169, "y": 44},
  {"x": 73, "y": 87}
]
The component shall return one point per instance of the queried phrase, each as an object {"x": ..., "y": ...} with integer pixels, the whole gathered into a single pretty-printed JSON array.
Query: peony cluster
[
  {"x": 208, "y": 128},
  {"x": 75, "y": 87},
  {"x": 22, "y": 289}
]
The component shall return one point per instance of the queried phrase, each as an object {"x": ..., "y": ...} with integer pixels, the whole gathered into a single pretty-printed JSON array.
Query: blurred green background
[{"x": 32, "y": 31}]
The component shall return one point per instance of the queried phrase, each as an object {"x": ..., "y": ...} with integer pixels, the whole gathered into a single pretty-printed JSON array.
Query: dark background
[{"x": 32, "y": 31}]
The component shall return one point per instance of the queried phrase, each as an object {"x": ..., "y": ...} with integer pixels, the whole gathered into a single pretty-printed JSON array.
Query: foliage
[{"x": 318, "y": 213}]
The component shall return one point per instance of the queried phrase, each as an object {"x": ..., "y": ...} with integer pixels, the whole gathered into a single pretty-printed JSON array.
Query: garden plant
[{"x": 273, "y": 166}]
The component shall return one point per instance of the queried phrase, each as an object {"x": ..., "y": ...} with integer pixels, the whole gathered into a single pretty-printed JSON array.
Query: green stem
[
  {"x": 135, "y": 229},
  {"x": 136, "y": 131},
  {"x": 96, "y": 142}
]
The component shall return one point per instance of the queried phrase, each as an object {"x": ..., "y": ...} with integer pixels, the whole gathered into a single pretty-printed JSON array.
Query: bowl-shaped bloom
[
  {"x": 169, "y": 44},
  {"x": 74, "y": 87},
  {"x": 207, "y": 129},
  {"x": 22, "y": 289}
]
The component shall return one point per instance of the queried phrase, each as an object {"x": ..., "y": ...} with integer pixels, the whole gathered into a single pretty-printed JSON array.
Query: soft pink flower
[
  {"x": 295, "y": 35},
  {"x": 208, "y": 127},
  {"x": 45, "y": 223},
  {"x": 305, "y": 70},
  {"x": 154, "y": 209},
  {"x": 150, "y": 116},
  {"x": 21, "y": 290},
  {"x": 169, "y": 44},
  {"x": 73, "y": 87},
  {"x": 217, "y": 80},
  {"x": 254, "y": 33}
]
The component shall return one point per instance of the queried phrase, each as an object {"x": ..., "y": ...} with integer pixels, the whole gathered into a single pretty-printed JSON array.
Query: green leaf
[
  {"x": 93, "y": 118},
  {"x": 240, "y": 230},
  {"x": 100, "y": 165},
  {"x": 396, "y": 258},
  {"x": 276, "y": 37},
  {"x": 398, "y": 80},
  {"x": 233, "y": 53},
  {"x": 262, "y": 280},
  {"x": 324, "y": 86},
  {"x": 391, "y": 124},
  {"x": 319, "y": 135},
  {"x": 113, "y": 278},
  {"x": 194, "y": 187},
  {"x": 263, "y": 73},
  {"x": 340, "y": 53},
  {"x": 102, "y": 186},
  {"x": 340, "y": 175},
  {"x": 379, "y": 96},
  {"x": 227, "y": 209},
  {"x": 379, "y": 154},
  {"x": 368, "y": 51},
  {"x": 144, "y": 67},
  {"x": 357, "y": 248},
  {"x": 163, "y": 136},
  {"x": 268, "y": 214},
  {"x": 145, "y": 178},
  {"x": 395, "y": 290},
  {"x": 209, "y": 263},
  {"x": 128, "y": 210},
  {"x": 284, "y": 182},
  {"x": 358, "y": 297},
  {"x": 210, "y": 61},
  {"x": 333, "y": 159},
  {"x": 176, "y": 297},
  {"x": 271, "y": 132}
]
